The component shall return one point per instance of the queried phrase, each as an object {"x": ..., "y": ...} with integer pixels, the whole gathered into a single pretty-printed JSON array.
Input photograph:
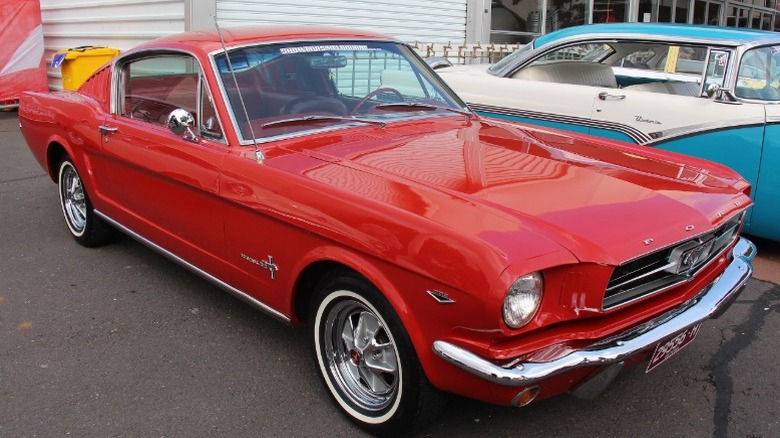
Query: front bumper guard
[{"x": 711, "y": 302}]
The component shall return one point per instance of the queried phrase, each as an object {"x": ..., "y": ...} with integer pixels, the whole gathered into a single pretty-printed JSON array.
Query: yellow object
[
  {"x": 671, "y": 59},
  {"x": 80, "y": 62}
]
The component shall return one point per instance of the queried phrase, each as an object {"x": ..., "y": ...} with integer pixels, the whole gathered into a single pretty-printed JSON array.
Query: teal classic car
[{"x": 706, "y": 91}]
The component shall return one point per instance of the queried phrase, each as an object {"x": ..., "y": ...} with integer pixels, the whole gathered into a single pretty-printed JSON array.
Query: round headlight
[{"x": 522, "y": 300}]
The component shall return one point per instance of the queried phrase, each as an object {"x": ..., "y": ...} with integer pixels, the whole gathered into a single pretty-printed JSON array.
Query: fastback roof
[{"x": 235, "y": 36}]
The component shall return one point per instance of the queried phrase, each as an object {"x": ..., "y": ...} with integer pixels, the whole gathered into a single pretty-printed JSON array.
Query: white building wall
[
  {"x": 114, "y": 23},
  {"x": 124, "y": 24}
]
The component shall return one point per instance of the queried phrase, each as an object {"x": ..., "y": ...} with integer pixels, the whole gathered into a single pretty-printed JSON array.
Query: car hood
[{"x": 603, "y": 201}]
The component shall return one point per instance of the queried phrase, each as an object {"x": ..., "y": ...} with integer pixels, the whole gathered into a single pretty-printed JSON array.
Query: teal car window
[{"x": 758, "y": 76}]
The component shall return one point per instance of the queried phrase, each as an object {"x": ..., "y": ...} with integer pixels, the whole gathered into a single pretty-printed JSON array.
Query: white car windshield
[{"x": 283, "y": 89}]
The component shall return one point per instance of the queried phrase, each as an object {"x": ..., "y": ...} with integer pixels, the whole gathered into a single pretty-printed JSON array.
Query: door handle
[
  {"x": 105, "y": 129},
  {"x": 606, "y": 96}
]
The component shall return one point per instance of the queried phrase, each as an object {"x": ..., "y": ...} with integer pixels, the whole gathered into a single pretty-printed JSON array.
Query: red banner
[{"x": 22, "y": 64}]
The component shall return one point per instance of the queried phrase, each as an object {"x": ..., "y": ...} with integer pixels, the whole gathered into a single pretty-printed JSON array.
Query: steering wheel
[
  {"x": 138, "y": 113},
  {"x": 375, "y": 93}
]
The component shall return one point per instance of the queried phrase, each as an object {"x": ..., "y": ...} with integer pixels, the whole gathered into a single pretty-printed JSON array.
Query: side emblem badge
[
  {"x": 440, "y": 296},
  {"x": 689, "y": 228},
  {"x": 265, "y": 264}
]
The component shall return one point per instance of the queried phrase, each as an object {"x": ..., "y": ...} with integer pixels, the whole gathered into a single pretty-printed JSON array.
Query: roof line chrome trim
[
  {"x": 711, "y": 302},
  {"x": 302, "y": 40},
  {"x": 632, "y": 37},
  {"x": 236, "y": 292},
  {"x": 606, "y": 38}
]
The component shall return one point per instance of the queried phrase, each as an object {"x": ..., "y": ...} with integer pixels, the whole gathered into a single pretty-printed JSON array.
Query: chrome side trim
[
  {"x": 714, "y": 299},
  {"x": 635, "y": 134},
  {"x": 640, "y": 137},
  {"x": 216, "y": 281},
  {"x": 670, "y": 134}
]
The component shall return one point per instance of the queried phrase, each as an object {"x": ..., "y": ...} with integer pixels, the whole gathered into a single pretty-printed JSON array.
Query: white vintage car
[{"x": 706, "y": 91}]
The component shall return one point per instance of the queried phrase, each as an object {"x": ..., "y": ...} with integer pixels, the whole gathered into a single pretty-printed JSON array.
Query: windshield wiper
[
  {"x": 307, "y": 119},
  {"x": 419, "y": 105}
]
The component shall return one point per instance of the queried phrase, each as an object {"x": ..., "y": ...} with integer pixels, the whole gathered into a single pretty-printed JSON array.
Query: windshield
[
  {"x": 758, "y": 76},
  {"x": 341, "y": 83},
  {"x": 510, "y": 59}
]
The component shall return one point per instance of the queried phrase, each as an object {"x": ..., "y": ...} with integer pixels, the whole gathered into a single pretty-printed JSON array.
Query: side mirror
[
  {"x": 181, "y": 122},
  {"x": 437, "y": 62},
  {"x": 722, "y": 95},
  {"x": 712, "y": 90}
]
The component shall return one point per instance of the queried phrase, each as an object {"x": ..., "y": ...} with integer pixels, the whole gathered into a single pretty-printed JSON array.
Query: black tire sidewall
[
  {"x": 402, "y": 414},
  {"x": 95, "y": 232},
  {"x": 67, "y": 163}
]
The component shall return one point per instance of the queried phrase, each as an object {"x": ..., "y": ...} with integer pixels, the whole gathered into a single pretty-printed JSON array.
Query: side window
[
  {"x": 591, "y": 52},
  {"x": 758, "y": 76},
  {"x": 716, "y": 68},
  {"x": 208, "y": 121},
  {"x": 154, "y": 86},
  {"x": 683, "y": 59},
  {"x": 580, "y": 64},
  {"x": 639, "y": 58}
]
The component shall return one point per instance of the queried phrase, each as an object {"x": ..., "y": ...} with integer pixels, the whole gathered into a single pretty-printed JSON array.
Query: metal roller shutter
[{"x": 430, "y": 21}]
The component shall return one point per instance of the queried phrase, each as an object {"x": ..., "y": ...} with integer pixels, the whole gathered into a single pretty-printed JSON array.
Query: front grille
[{"x": 668, "y": 267}]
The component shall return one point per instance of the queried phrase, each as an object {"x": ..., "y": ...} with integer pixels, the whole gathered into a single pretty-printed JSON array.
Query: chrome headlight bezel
[{"x": 522, "y": 300}]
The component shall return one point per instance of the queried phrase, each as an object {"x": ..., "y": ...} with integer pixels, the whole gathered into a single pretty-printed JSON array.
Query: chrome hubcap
[
  {"x": 361, "y": 355},
  {"x": 74, "y": 203}
]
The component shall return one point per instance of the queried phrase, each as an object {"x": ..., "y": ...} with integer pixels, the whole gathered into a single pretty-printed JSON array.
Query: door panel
[
  {"x": 562, "y": 106},
  {"x": 165, "y": 188},
  {"x": 766, "y": 191},
  {"x": 729, "y": 134}
]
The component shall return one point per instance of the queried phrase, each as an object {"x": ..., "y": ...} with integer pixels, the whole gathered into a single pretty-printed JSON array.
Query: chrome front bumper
[{"x": 711, "y": 302}]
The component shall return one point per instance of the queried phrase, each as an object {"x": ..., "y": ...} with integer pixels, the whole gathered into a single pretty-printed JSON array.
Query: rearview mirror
[{"x": 328, "y": 61}]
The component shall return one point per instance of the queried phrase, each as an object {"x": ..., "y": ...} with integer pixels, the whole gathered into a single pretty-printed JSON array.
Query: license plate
[{"x": 667, "y": 349}]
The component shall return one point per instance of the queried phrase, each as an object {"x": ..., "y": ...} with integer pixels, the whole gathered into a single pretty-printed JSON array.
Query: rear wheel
[
  {"x": 366, "y": 359},
  {"x": 88, "y": 229}
]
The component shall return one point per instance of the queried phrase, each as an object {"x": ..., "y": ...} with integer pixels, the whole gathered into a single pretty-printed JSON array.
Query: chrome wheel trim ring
[
  {"x": 72, "y": 199},
  {"x": 346, "y": 375}
]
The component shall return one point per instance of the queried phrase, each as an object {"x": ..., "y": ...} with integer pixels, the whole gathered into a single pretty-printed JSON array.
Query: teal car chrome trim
[
  {"x": 634, "y": 134},
  {"x": 711, "y": 302},
  {"x": 637, "y": 136},
  {"x": 674, "y": 133}
]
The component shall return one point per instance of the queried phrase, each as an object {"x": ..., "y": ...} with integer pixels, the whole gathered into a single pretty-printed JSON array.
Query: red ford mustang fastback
[{"x": 330, "y": 179}]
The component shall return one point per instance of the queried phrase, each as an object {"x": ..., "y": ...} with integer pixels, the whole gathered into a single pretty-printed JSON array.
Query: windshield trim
[{"x": 338, "y": 126}]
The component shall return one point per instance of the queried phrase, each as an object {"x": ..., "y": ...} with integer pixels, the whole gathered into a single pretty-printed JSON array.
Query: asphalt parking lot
[{"x": 118, "y": 341}]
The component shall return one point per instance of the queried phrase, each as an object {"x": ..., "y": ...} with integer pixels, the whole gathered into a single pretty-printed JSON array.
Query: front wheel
[
  {"x": 367, "y": 361},
  {"x": 88, "y": 229}
]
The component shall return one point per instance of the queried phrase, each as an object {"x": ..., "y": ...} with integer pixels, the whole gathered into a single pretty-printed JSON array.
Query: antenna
[{"x": 259, "y": 156}]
